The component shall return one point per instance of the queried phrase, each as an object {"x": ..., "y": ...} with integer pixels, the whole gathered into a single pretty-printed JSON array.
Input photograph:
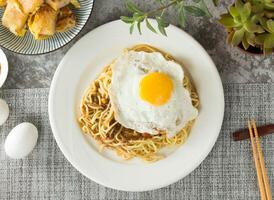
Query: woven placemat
[{"x": 227, "y": 173}]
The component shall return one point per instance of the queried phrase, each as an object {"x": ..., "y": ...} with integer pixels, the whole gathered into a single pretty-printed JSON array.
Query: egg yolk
[{"x": 156, "y": 88}]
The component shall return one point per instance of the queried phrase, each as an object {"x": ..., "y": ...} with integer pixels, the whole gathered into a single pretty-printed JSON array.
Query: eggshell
[
  {"x": 4, "y": 111},
  {"x": 21, "y": 140}
]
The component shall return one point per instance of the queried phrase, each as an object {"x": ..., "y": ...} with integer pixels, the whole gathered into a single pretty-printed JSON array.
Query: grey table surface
[{"x": 233, "y": 65}]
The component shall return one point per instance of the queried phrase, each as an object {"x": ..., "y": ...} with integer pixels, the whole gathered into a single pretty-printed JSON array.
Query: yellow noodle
[{"x": 97, "y": 120}]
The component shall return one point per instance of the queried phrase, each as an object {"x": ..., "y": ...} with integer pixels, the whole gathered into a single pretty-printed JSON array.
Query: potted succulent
[{"x": 250, "y": 25}]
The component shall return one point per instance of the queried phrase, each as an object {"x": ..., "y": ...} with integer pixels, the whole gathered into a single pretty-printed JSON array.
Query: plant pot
[{"x": 255, "y": 51}]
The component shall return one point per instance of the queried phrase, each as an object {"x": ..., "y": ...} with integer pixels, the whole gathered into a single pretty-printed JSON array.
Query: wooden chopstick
[
  {"x": 257, "y": 164},
  {"x": 263, "y": 181},
  {"x": 261, "y": 160}
]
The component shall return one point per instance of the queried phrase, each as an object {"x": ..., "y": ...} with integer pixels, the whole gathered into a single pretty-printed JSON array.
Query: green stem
[{"x": 162, "y": 7}]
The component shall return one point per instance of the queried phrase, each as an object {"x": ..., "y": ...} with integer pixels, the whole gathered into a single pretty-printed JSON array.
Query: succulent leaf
[
  {"x": 253, "y": 28},
  {"x": 245, "y": 43},
  {"x": 245, "y": 12},
  {"x": 233, "y": 11},
  {"x": 255, "y": 18},
  {"x": 257, "y": 7},
  {"x": 239, "y": 5},
  {"x": 250, "y": 38},
  {"x": 264, "y": 24},
  {"x": 259, "y": 39},
  {"x": 227, "y": 21},
  {"x": 270, "y": 25},
  {"x": 238, "y": 37},
  {"x": 269, "y": 41},
  {"x": 269, "y": 6},
  {"x": 238, "y": 20},
  {"x": 266, "y": 1}
]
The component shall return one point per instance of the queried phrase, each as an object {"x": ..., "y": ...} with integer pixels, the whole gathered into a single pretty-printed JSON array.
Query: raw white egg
[
  {"x": 148, "y": 95},
  {"x": 4, "y": 111},
  {"x": 21, "y": 140}
]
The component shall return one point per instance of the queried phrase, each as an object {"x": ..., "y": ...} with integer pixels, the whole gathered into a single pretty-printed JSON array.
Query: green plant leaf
[
  {"x": 162, "y": 24},
  {"x": 238, "y": 20},
  {"x": 257, "y": 7},
  {"x": 160, "y": 1},
  {"x": 162, "y": 30},
  {"x": 264, "y": 24},
  {"x": 181, "y": 14},
  {"x": 131, "y": 28},
  {"x": 269, "y": 6},
  {"x": 245, "y": 12},
  {"x": 267, "y": 1},
  {"x": 250, "y": 38},
  {"x": 182, "y": 19},
  {"x": 269, "y": 41},
  {"x": 255, "y": 18},
  {"x": 149, "y": 26},
  {"x": 215, "y": 2},
  {"x": 202, "y": 5},
  {"x": 270, "y": 25},
  {"x": 239, "y": 5},
  {"x": 127, "y": 20},
  {"x": 233, "y": 11},
  {"x": 139, "y": 27},
  {"x": 132, "y": 8},
  {"x": 253, "y": 28},
  {"x": 228, "y": 21},
  {"x": 259, "y": 39},
  {"x": 245, "y": 43},
  {"x": 160, "y": 20},
  {"x": 195, "y": 11},
  {"x": 138, "y": 16},
  {"x": 238, "y": 37}
]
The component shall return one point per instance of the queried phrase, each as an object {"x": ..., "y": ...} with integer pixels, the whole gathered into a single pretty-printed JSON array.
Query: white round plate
[
  {"x": 4, "y": 68},
  {"x": 82, "y": 64}
]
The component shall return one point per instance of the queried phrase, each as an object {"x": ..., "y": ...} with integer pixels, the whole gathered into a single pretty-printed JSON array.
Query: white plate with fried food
[
  {"x": 4, "y": 67},
  {"x": 41, "y": 26},
  {"x": 136, "y": 112}
]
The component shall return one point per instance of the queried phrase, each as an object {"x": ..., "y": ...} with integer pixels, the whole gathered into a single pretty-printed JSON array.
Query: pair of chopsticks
[{"x": 263, "y": 181}]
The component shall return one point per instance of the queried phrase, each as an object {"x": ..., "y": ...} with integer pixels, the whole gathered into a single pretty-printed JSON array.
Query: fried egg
[{"x": 147, "y": 93}]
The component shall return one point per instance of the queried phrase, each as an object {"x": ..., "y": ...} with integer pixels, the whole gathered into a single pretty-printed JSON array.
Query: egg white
[{"x": 133, "y": 112}]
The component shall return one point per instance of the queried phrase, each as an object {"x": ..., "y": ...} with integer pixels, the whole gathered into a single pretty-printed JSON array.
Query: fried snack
[
  {"x": 14, "y": 18},
  {"x": 42, "y": 24},
  {"x": 3, "y": 3},
  {"x": 75, "y": 3},
  {"x": 30, "y": 6},
  {"x": 57, "y": 4},
  {"x": 40, "y": 16},
  {"x": 66, "y": 20}
]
